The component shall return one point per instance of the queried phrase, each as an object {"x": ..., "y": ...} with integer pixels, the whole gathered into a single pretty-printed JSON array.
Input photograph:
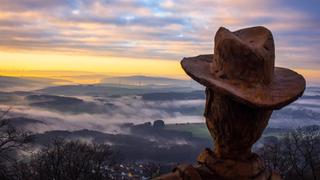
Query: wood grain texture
[
  {"x": 285, "y": 87},
  {"x": 233, "y": 126},
  {"x": 247, "y": 54}
]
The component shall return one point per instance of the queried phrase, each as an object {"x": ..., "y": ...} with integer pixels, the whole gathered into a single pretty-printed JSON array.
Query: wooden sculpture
[{"x": 243, "y": 87}]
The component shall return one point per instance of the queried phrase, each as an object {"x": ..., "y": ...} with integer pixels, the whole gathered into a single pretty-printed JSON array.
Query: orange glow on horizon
[
  {"x": 48, "y": 64},
  {"x": 73, "y": 67}
]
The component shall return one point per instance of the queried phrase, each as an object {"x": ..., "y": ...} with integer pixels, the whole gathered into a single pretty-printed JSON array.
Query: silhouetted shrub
[
  {"x": 62, "y": 160},
  {"x": 159, "y": 124},
  {"x": 295, "y": 156},
  {"x": 12, "y": 140}
]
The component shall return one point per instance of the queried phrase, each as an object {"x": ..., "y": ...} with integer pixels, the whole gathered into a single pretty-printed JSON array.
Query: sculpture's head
[
  {"x": 242, "y": 67},
  {"x": 246, "y": 54}
]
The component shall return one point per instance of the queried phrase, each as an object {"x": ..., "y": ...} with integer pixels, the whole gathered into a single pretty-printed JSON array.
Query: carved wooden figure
[{"x": 242, "y": 89}]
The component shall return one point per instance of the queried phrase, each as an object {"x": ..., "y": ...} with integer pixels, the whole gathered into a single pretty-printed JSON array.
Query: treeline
[
  {"x": 295, "y": 155},
  {"x": 62, "y": 160}
]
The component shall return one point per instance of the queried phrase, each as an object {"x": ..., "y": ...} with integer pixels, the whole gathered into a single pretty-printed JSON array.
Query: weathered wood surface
[
  {"x": 285, "y": 87},
  {"x": 233, "y": 126},
  {"x": 247, "y": 54},
  {"x": 243, "y": 67}
]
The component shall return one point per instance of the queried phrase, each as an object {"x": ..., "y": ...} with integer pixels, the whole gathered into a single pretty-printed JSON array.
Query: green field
[
  {"x": 200, "y": 130},
  {"x": 197, "y": 129}
]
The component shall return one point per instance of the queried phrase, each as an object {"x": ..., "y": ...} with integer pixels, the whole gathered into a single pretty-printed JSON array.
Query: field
[
  {"x": 197, "y": 129},
  {"x": 200, "y": 130}
]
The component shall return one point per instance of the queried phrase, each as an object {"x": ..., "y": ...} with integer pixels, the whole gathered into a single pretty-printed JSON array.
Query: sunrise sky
[{"x": 149, "y": 37}]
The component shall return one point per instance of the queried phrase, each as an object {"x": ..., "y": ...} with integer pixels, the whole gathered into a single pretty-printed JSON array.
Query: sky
[{"x": 149, "y": 37}]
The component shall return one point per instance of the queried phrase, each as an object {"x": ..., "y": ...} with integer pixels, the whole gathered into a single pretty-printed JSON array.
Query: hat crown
[{"x": 246, "y": 54}]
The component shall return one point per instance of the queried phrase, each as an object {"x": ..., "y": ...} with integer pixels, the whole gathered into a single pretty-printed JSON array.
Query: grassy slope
[
  {"x": 197, "y": 129},
  {"x": 200, "y": 130}
]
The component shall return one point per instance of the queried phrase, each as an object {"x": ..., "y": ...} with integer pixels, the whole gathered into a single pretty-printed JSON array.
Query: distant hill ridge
[{"x": 143, "y": 80}]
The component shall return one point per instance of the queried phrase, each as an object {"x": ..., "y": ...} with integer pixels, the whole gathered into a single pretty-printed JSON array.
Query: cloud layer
[{"x": 157, "y": 29}]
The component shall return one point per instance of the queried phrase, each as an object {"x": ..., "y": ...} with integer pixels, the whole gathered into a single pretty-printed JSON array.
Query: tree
[
  {"x": 296, "y": 155},
  {"x": 159, "y": 124},
  {"x": 303, "y": 151},
  {"x": 63, "y": 160},
  {"x": 272, "y": 153},
  {"x": 11, "y": 140}
]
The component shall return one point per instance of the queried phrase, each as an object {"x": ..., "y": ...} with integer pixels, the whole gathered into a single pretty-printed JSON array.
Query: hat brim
[{"x": 285, "y": 87}]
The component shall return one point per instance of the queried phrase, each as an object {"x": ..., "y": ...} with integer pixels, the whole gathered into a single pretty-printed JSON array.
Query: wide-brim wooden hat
[{"x": 242, "y": 67}]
